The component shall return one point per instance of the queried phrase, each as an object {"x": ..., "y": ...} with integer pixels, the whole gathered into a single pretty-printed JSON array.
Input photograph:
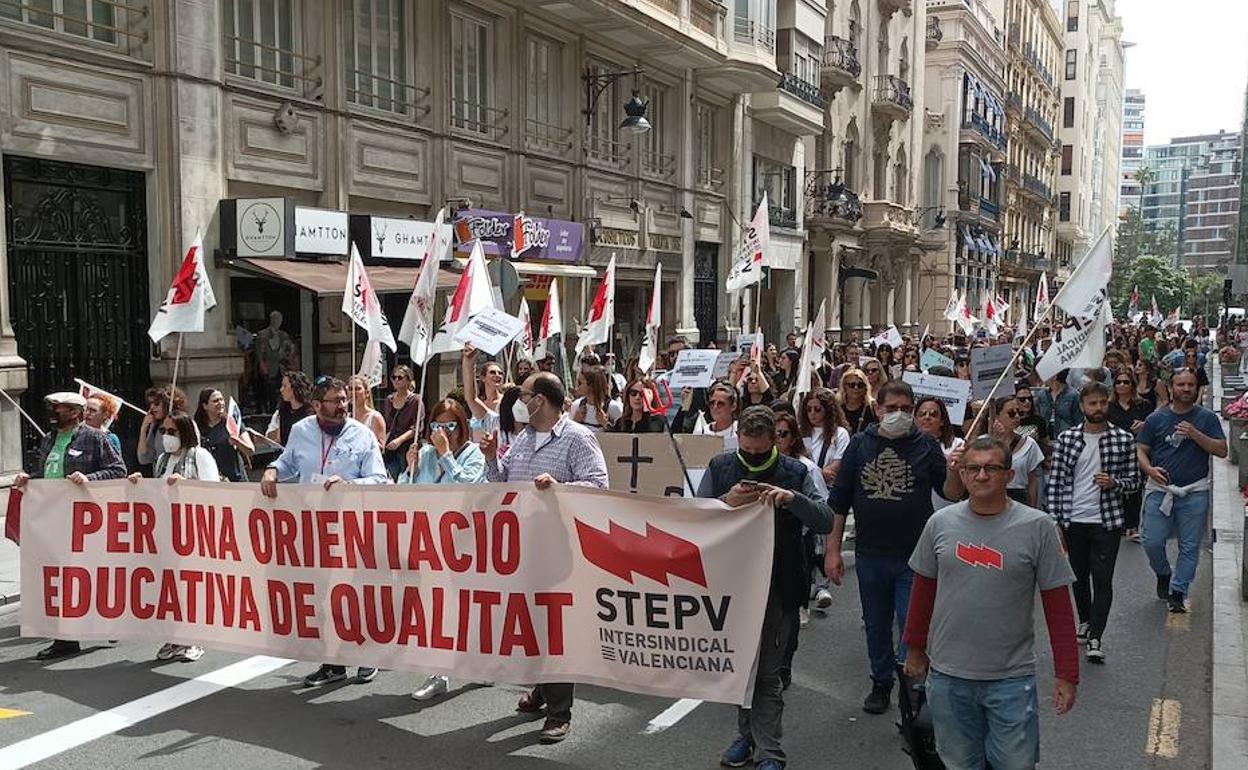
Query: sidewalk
[{"x": 1230, "y": 614}]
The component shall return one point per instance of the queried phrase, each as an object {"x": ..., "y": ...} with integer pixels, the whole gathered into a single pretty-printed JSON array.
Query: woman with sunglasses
[
  {"x": 484, "y": 408},
  {"x": 639, "y": 416},
  {"x": 856, "y": 403},
  {"x": 1128, "y": 411},
  {"x": 401, "y": 411},
  {"x": 932, "y": 417},
  {"x": 181, "y": 457},
  {"x": 757, "y": 389},
  {"x": 722, "y": 404},
  {"x": 962, "y": 367},
  {"x": 876, "y": 375},
  {"x": 593, "y": 407},
  {"x": 362, "y": 407},
  {"x": 1026, "y": 456},
  {"x": 1147, "y": 387},
  {"x": 449, "y": 457},
  {"x": 824, "y": 431}
]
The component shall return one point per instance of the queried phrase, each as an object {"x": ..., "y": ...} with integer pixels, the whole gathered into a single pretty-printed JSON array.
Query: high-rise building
[
  {"x": 1132, "y": 150},
  {"x": 1193, "y": 188}
]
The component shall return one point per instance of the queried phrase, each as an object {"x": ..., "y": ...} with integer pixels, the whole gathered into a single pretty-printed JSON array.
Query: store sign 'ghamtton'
[
  {"x": 320, "y": 231},
  {"x": 519, "y": 236}
]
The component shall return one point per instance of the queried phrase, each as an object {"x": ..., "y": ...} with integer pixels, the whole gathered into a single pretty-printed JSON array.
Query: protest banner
[
  {"x": 489, "y": 330},
  {"x": 693, "y": 369},
  {"x": 955, "y": 393},
  {"x": 933, "y": 357},
  {"x": 490, "y": 582},
  {"x": 646, "y": 463},
  {"x": 889, "y": 336},
  {"x": 987, "y": 364}
]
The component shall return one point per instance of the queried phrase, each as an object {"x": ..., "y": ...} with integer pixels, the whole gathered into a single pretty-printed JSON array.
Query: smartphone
[{"x": 748, "y": 483}]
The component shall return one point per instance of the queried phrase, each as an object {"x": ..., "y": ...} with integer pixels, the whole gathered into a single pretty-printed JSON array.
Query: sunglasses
[
  {"x": 873, "y": 370},
  {"x": 1122, "y": 382},
  {"x": 397, "y": 377},
  {"x": 636, "y": 392},
  {"x": 1022, "y": 398},
  {"x": 448, "y": 427},
  {"x": 855, "y": 385},
  {"x": 783, "y": 434},
  {"x": 324, "y": 379},
  {"x": 1011, "y": 413}
]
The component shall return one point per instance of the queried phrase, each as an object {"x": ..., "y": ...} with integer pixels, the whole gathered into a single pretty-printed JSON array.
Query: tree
[
  {"x": 1205, "y": 296},
  {"x": 1156, "y": 277},
  {"x": 1135, "y": 241}
]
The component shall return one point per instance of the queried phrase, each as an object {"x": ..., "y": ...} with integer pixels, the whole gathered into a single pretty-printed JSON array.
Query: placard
[
  {"x": 987, "y": 364},
  {"x": 745, "y": 342},
  {"x": 489, "y": 330},
  {"x": 954, "y": 392},
  {"x": 933, "y": 357},
  {"x": 694, "y": 369},
  {"x": 646, "y": 463},
  {"x": 723, "y": 363}
]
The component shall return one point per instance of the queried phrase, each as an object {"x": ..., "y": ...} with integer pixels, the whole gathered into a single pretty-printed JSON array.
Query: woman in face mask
[
  {"x": 1026, "y": 455},
  {"x": 509, "y": 423},
  {"x": 181, "y": 457}
]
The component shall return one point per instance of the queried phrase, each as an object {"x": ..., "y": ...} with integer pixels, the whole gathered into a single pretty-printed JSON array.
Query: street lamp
[{"x": 634, "y": 108}]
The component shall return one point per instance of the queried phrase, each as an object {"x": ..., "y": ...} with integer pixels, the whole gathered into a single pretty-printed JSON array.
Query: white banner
[
  {"x": 694, "y": 368},
  {"x": 986, "y": 366},
  {"x": 490, "y": 330},
  {"x": 954, "y": 392},
  {"x": 487, "y": 583}
]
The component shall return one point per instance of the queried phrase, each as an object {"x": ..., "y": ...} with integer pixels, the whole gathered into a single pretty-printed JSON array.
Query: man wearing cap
[{"x": 72, "y": 450}]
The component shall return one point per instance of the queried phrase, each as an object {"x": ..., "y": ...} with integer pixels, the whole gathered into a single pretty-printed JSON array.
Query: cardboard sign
[
  {"x": 987, "y": 364},
  {"x": 489, "y": 330},
  {"x": 694, "y": 369},
  {"x": 889, "y": 336},
  {"x": 955, "y": 393},
  {"x": 745, "y": 342},
  {"x": 933, "y": 357},
  {"x": 646, "y": 463},
  {"x": 723, "y": 362}
]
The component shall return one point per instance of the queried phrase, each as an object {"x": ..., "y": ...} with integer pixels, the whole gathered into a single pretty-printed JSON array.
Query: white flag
[
  {"x": 801, "y": 385},
  {"x": 889, "y": 336},
  {"x": 1155, "y": 318},
  {"x": 990, "y": 317},
  {"x": 525, "y": 340},
  {"x": 418, "y": 329},
  {"x": 90, "y": 391},
  {"x": 1042, "y": 299},
  {"x": 189, "y": 297},
  {"x": 819, "y": 333},
  {"x": 552, "y": 323},
  {"x": 747, "y": 267},
  {"x": 373, "y": 365},
  {"x": 362, "y": 305},
  {"x": 234, "y": 419},
  {"x": 597, "y": 329},
  {"x": 1083, "y": 294},
  {"x": 654, "y": 323},
  {"x": 965, "y": 319},
  {"x": 951, "y": 309},
  {"x": 472, "y": 295},
  {"x": 1081, "y": 345}
]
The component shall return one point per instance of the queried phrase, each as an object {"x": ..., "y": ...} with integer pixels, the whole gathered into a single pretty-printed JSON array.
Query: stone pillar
[
  {"x": 12, "y": 366},
  {"x": 685, "y": 322},
  {"x": 833, "y": 312}
]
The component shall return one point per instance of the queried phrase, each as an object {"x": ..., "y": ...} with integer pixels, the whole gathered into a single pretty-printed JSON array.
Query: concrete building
[
  {"x": 1091, "y": 129},
  {"x": 862, "y": 185},
  {"x": 355, "y": 121},
  {"x": 1130, "y": 190},
  {"x": 1194, "y": 190},
  {"x": 1034, "y": 50},
  {"x": 964, "y": 154}
]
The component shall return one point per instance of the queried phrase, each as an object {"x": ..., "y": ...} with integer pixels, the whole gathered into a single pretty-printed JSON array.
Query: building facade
[
  {"x": 1130, "y": 190},
  {"x": 863, "y": 179},
  {"x": 137, "y": 121},
  {"x": 1193, "y": 189}
]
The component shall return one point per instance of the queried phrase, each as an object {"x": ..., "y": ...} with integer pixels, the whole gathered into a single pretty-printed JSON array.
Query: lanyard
[{"x": 325, "y": 450}]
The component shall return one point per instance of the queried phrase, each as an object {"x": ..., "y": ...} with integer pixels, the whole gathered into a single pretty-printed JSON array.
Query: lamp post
[{"x": 634, "y": 109}]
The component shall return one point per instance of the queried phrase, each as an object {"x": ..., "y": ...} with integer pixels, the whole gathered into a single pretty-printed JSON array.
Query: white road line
[
  {"x": 49, "y": 744},
  {"x": 674, "y": 713}
]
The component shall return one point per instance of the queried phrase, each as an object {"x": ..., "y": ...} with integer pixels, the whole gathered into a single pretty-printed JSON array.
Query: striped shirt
[
  {"x": 569, "y": 453},
  {"x": 1118, "y": 461}
]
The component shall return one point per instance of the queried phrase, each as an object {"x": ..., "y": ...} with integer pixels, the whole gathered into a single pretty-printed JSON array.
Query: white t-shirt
[
  {"x": 1086, "y": 503},
  {"x": 593, "y": 420},
  {"x": 836, "y": 449},
  {"x": 1027, "y": 457},
  {"x": 939, "y": 502},
  {"x": 816, "y": 475},
  {"x": 729, "y": 435}
]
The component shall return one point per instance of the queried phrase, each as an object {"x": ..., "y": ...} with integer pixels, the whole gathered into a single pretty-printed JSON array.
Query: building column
[
  {"x": 833, "y": 312},
  {"x": 685, "y": 321},
  {"x": 738, "y": 202},
  {"x": 12, "y": 366}
]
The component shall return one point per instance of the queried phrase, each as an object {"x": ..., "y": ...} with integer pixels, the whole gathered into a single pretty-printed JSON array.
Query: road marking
[
  {"x": 1179, "y": 621},
  {"x": 74, "y": 734},
  {"x": 1163, "y": 728},
  {"x": 10, "y": 713},
  {"x": 673, "y": 714}
]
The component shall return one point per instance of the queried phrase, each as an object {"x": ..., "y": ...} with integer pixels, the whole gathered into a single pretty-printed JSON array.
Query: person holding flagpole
[{"x": 225, "y": 448}]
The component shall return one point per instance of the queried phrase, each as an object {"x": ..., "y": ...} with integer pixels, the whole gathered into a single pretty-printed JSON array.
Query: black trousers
[
  {"x": 1131, "y": 509},
  {"x": 1093, "y": 551}
]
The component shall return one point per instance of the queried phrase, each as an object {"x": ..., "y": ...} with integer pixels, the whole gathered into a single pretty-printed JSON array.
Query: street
[{"x": 270, "y": 720}]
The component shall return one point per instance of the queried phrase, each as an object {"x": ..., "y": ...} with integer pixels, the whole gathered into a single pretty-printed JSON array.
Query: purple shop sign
[{"x": 548, "y": 240}]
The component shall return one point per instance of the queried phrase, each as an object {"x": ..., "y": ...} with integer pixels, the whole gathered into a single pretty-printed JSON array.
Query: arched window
[
  {"x": 879, "y": 174},
  {"x": 855, "y": 26},
  {"x": 850, "y": 162},
  {"x": 933, "y": 185},
  {"x": 882, "y": 57},
  {"x": 901, "y": 178},
  {"x": 903, "y": 63}
]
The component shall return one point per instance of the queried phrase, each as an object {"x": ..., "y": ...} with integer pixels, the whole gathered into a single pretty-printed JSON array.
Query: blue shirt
[
  {"x": 353, "y": 454},
  {"x": 1181, "y": 457},
  {"x": 467, "y": 467}
]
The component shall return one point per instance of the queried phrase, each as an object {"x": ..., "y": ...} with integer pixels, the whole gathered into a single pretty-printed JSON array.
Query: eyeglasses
[
  {"x": 635, "y": 392},
  {"x": 783, "y": 434},
  {"x": 1011, "y": 413},
  {"x": 449, "y": 427},
  {"x": 873, "y": 370},
  {"x": 720, "y": 402},
  {"x": 525, "y": 395},
  {"x": 397, "y": 377},
  {"x": 322, "y": 380},
  {"x": 975, "y": 470},
  {"x": 1122, "y": 382},
  {"x": 855, "y": 385},
  {"x": 1022, "y": 398}
]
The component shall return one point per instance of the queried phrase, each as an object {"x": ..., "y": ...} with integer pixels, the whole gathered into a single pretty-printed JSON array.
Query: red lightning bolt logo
[
  {"x": 980, "y": 556},
  {"x": 184, "y": 282},
  {"x": 655, "y": 555}
]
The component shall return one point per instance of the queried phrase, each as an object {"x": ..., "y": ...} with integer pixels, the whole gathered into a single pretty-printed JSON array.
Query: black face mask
[{"x": 54, "y": 419}]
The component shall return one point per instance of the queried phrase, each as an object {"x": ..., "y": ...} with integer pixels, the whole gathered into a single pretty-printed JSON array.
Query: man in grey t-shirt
[{"x": 977, "y": 567}]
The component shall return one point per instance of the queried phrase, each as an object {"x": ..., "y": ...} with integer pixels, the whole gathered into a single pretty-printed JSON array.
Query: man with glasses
[
  {"x": 553, "y": 449},
  {"x": 1174, "y": 448},
  {"x": 328, "y": 448},
  {"x": 1094, "y": 467},
  {"x": 887, "y": 477},
  {"x": 971, "y": 620}
]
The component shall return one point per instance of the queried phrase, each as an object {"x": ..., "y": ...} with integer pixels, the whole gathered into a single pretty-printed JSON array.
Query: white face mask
[
  {"x": 520, "y": 412},
  {"x": 170, "y": 444},
  {"x": 896, "y": 424}
]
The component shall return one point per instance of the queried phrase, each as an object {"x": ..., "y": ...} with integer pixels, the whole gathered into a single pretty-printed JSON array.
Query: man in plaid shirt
[{"x": 1094, "y": 466}]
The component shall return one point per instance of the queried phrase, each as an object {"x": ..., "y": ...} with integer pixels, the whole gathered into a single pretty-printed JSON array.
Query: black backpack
[{"x": 916, "y": 725}]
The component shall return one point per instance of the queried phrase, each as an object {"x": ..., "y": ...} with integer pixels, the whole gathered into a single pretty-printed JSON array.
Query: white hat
[{"x": 68, "y": 398}]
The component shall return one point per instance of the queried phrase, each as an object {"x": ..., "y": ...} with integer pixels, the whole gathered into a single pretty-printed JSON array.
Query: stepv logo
[{"x": 656, "y": 555}]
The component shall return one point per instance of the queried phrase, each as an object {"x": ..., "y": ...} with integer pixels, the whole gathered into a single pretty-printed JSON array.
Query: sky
[{"x": 1191, "y": 60}]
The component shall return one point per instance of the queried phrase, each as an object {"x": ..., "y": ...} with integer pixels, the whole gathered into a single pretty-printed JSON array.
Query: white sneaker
[
  {"x": 432, "y": 688},
  {"x": 1081, "y": 632},
  {"x": 1095, "y": 653},
  {"x": 167, "y": 651},
  {"x": 823, "y": 599},
  {"x": 190, "y": 653},
  {"x": 803, "y": 617}
]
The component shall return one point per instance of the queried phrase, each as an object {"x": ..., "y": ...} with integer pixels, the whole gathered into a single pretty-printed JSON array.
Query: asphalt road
[{"x": 1157, "y": 673}]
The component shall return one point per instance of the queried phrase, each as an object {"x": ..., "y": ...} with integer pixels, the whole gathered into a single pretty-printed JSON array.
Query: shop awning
[{"x": 326, "y": 279}]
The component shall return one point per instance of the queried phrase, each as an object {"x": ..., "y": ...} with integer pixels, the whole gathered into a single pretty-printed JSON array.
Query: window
[
  {"x": 1068, "y": 112},
  {"x": 105, "y": 22},
  {"x": 543, "y": 117},
  {"x": 471, "y": 49},
  {"x": 1072, "y": 56},
  {"x": 879, "y": 173},
  {"x": 933, "y": 185},
  {"x": 1068, "y": 155},
  {"x": 602, "y": 134},
  {"x": 1063, "y": 207},
  {"x": 779, "y": 181},
  {"x": 708, "y": 175},
  {"x": 1072, "y": 16},
  {"x": 901, "y": 178},
  {"x": 260, "y": 39},
  {"x": 654, "y": 158},
  {"x": 374, "y": 54}
]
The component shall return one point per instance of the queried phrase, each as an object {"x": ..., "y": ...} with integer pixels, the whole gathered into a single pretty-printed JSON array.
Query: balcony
[
  {"x": 1034, "y": 120},
  {"x": 710, "y": 178},
  {"x": 841, "y": 66},
  {"x": 657, "y": 164},
  {"x": 604, "y": 152},
  {"x": 980, "y": 130},
  {"x": 990, "y": 209},
  {"x": 792, "y": 105},
  {"x": 889, "y": 222},
  {"x": 934, "y": 32},
  {"x": 1037, "y": 188},
  {"x": 889, "y": 7},
  {"x": 1024, "y": 260},
  {"x": 750, "y": 32},
  {"x": 1015, "y": 102},
  {"x": 829, "y": 203},
  {"x": 892, "y": 97},
  {"x": 1033, "y": 58},
  {"x": 700, "y": 27}
]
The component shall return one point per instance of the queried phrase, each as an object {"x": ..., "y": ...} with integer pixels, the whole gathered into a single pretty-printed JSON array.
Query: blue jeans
[
  {"x": 1186, "y": 522},
  {"x": 995, "y": 721},
  {"x": 884, "y": 590}
]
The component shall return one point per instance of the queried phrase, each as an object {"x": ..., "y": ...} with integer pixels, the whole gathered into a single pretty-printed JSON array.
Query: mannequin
[{"x": 275, "y": 352}]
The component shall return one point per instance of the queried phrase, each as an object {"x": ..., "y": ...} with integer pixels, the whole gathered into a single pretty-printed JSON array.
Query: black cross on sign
[{"x": 635, "y": 460}]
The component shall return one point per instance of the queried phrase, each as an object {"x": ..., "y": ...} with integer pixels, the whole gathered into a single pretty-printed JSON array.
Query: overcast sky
[{"x": 1191, "y": 60}]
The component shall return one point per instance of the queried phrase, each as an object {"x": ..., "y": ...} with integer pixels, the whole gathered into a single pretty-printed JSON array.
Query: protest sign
[
  {"x": 933, "y": 357},
  {"x": 489, "y": 330},
  {"x": 723, "y": 363},
  {"x": 986, "y": 366},
  {"x": 955, "y": 393},
  {"x": 889, "y": 336},
  {"x": 490, "y": 582},
  {"x": 693, "y": 369},
  {"x": 646, "y": 463},
  {"x": 745, "y": 342}
]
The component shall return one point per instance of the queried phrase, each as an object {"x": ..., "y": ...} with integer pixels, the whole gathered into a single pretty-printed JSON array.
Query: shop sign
[
  {"x": 398, "y": 239},
  {"x": 519, "y": 236},
  {"x": 261, "y": 226},
  {"x": 320, "y": 231}
]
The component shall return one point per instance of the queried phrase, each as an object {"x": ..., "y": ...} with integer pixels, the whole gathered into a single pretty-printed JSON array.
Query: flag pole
[
  {"x": 177, "y": 360},
  {"x": 1009, "y": 369},
  {"x": 89, "y": 386},
  {"x": 351, "y": 411},
  {"x": 22, "y": 412}
]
